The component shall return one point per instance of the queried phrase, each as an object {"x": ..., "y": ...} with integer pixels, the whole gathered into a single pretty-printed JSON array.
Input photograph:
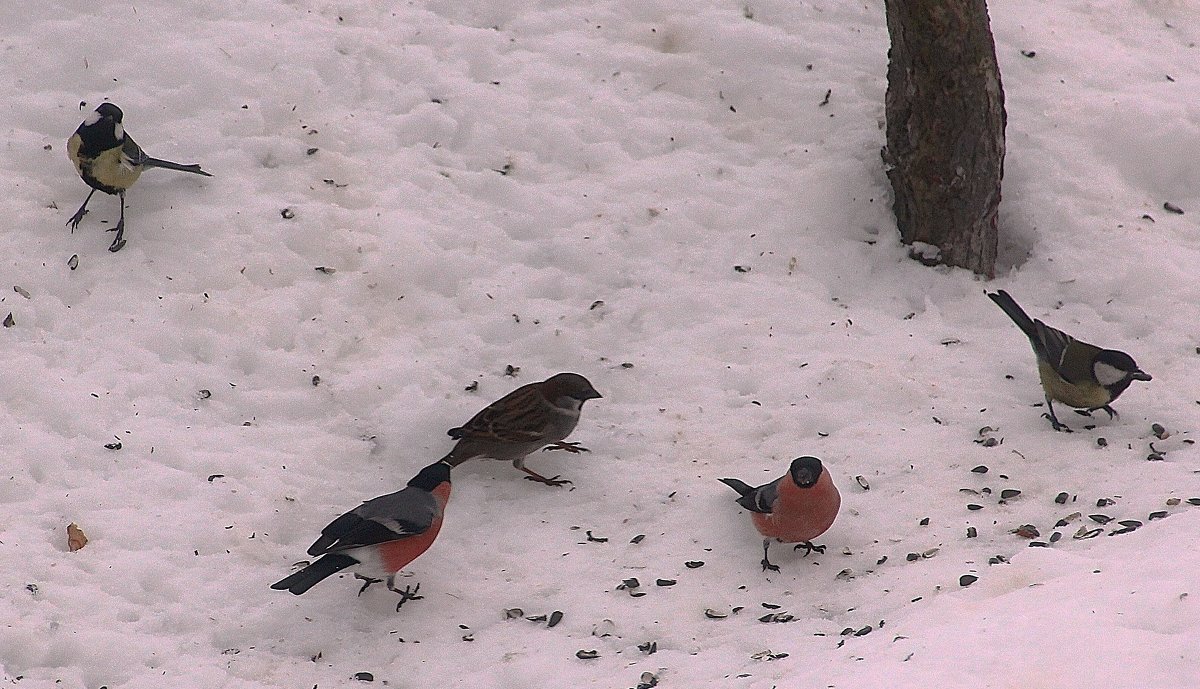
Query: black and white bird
[
  {"x": 109, "y": 161},
  {"x": 1075, "y": 373}
]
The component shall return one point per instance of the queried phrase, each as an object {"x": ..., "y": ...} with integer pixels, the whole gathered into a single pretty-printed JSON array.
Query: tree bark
[{"x": 945, "y": 129}]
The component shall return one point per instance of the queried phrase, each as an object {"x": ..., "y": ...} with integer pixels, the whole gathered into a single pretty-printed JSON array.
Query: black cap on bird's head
[
  {"x": 1116, "y": 369},
  {"x": 110, "y": 111},
  {"x": 805, "y": 471},
  {"x": 431, "y": 476}
]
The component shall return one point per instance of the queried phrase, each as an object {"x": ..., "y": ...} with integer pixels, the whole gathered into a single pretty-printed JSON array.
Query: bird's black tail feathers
[
  {"x": 741, "y": 487},
  {"x": 158, "y": 162},
  {"x": 1015, "y": 312},
  {"x": 308, "y": 577}
]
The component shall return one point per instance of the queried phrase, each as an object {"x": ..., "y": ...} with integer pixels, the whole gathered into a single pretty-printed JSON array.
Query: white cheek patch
[
  {"x": 91, "y": 119},
  {"x": 1108, "y": 375},
  {"x": 118, "y": 131}
]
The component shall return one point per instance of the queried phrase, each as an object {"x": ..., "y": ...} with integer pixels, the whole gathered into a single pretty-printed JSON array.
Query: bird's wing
[
  {"x": 1052, "y": 345},
  {"x": 762, "y": 499},
  {"x": 132, "y": 155},
  {"x": 521, "y": 416},
  {"x": 408, "y": 512}
]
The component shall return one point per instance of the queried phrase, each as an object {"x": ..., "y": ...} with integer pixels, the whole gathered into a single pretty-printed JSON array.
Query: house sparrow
[
  {"x": 794, "y": 508},
  {"x": 1075, "y": 373},
  {"x": 538, "y": 415},
  {"x": 109, "y": 161},
  {"x": 383, "y": 535}
]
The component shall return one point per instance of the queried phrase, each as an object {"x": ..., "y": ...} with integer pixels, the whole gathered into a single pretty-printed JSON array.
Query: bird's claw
[
  {"x": 367, "y": 581},
  {"x": 409, "y": 593},
  {"x": 766, "y": 565},
  {"x": 810, "y": 548},
  {"x": 1057, "y": 425},
  {"x": 572, "y": 447},
  {"x": 552, "y": 481}
]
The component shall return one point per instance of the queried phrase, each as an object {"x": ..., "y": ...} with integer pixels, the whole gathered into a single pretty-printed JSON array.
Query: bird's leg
[
  {"x": 809, "y": 548},
  {"x": 573, "y": 448},
  {"x": 766, "y": 564},
  {"x": 367, "y": 581},
  {"x": 1112, "y": 413},
  {"x": 407, "y": 594},
  {"x": 118, "y": 241},
  {"x": 78, "y": 217},
  {"x": 1054, "y": 422},
  {"x": 1084, "y": 412},
  {"x": 535, "y": 476}
]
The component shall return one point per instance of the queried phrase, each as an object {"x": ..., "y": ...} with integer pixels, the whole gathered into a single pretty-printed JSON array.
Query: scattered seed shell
[
  {"x": 694, "y": 564},
  {"x": 715, "y": 614},
  {"x": 1100, "y": 518},
  {"x": 75, "y": 537},
  {"x": 1055, "y": 537},
  {"x": 1193, "y": 501},
  {"x": 1061, "y": 498},
  {"x": 73, "y": 262},
  {"x": 1162, "y": 514},
  {"x": 862, "y": 482},
  {"x": 981, "y": 469},
  {"x": 648, "y": 680},
  {"x": 973, "y": 507},
  {"x": 664, "y": 582},
  {"x": 363, "y": 677},
  {"x": 1130, "y": 523},
  {"x": 1027, "y": 531},
  {"x": 587, "y": 655},
  {"x": 513, "y": 613},
  {"x": 21, "y": 291},
  {"x": 555, "y": 618},
  {"x": 1159, "y": 431},
  {"x": 972, "y": 532},
  {"x": 1009, "y": 493},
  {"x": 1168, "y": 206},
  {"x": 967, "y": 579}
]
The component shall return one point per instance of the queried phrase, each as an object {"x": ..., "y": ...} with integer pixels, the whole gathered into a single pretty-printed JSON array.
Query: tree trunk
[{"x": 945, "y": 129}]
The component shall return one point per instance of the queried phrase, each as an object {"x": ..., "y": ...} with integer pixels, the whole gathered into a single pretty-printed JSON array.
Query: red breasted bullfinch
[
  {"x": 794, "y": 508},
  {"x": 537, "y": 415},
  {"x": 383, "y": 535}
]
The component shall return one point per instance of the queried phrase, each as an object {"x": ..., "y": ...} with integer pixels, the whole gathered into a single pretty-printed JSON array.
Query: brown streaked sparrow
[{"x": 537, "y": 415}]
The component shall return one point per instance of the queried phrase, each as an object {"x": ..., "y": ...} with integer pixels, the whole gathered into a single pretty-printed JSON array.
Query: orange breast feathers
[
  {"x": 395, "y": 555},
  {"x": 800, "y": 514}
]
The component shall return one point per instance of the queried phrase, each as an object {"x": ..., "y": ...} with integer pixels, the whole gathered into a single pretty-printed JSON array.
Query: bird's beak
[
  {"x": 1140, "y": 375},
  {"x": 593, "y": 395}
]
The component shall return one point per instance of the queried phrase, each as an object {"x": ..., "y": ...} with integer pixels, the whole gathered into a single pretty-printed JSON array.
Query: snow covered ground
[{"x": 654, "y": 195}]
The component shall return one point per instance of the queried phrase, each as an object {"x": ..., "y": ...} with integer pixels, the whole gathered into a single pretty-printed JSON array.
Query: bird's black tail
[
  {"x": 1015, "y": 312},
  {"x": 159, "y": 162},
  {"x": 308, "y": 577},
  {"x": 741, "y": 487}
]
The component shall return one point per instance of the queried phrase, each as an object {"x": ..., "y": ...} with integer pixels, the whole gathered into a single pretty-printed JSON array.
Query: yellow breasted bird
[
  {"x": 1075, "y": 373},
  {"x": 109, "y": 161}
]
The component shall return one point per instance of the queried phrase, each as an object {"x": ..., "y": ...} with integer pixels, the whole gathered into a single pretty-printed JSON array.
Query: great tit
[
  {"x": 1075, "y": 373},
  {"x": 109, "y": 161}
]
